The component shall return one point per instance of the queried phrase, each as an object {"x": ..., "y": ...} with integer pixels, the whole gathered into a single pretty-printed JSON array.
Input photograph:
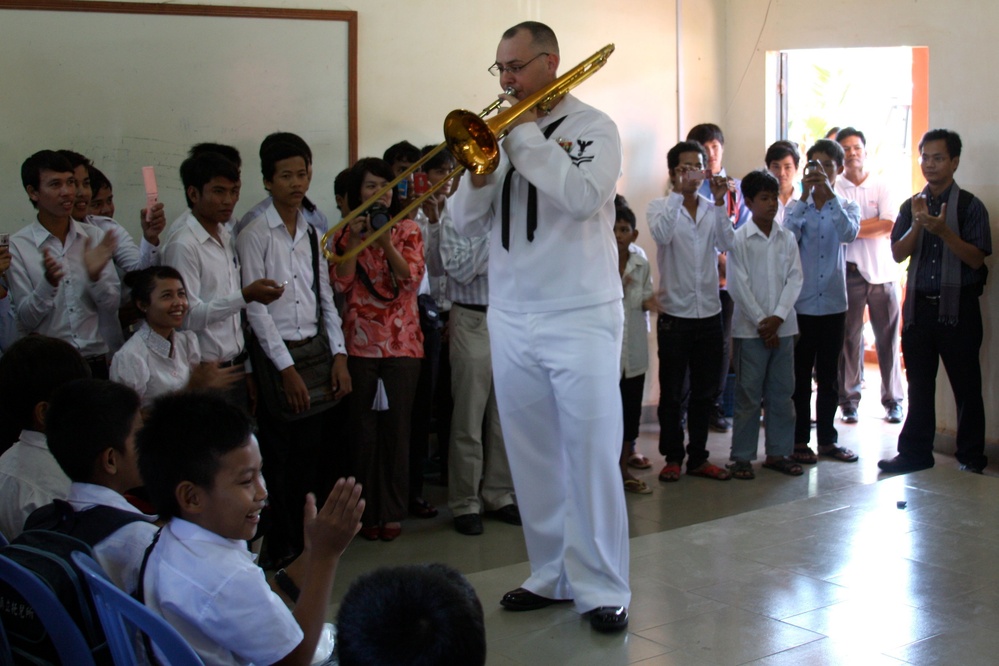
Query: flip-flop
[
  {"x": 709, "y": 471},
  {"x": 785, "y": 466},
  {"x": 637, "y": 486},
  {"x": 742, "y": 470},
  {"x": 839, "y": 453},
  {"x": 670, "y": 473},
  {"x": 804, "y": 455},
  {"x": 638, "y": 461}
]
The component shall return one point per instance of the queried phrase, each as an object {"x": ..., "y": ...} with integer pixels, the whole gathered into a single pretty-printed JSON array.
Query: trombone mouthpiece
[{"x": 509, "y": 91}]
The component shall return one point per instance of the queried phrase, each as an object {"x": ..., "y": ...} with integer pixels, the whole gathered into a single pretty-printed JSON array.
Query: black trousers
[
  {"x": 728, "y": 308},
  {"x": 819, "y": 343},
  {"x": 694, "y": 345},
  {"x": 925, "y": 343},
  {"x": 632, "y": 390}
]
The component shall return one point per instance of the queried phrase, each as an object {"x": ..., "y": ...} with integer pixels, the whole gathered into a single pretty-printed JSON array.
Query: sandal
[
  {"x": 709, "y": 471},
  {"x": 671, "y": 472},
  {"x": 839, "y": 453},
  {"x": 742, "y": 470},
  {"x": 804, "y": 455},
  {"x": 785, "y": 466},
  {"x": 638, "y": 461},
  {"x": 421, "y": 508},
  {"x": 637, "y": 486}
]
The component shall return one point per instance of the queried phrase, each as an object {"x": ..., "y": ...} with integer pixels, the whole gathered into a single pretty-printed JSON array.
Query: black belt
[
  {"x": 472, "y": 306},
  {"x": 240, "y": 359},
  {"x": 932, "y": 298},
  {"x": 292, "y": 344}
]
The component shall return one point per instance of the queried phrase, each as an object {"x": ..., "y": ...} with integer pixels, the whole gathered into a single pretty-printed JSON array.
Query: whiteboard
[{"x": 132, "y": 85}]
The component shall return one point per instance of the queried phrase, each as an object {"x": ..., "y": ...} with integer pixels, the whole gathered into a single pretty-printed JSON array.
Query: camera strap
[{"x": 366, "y": 281}]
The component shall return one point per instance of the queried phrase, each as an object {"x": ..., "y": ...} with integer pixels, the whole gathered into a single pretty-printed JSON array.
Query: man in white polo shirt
[{"x": 871, "y": 276}]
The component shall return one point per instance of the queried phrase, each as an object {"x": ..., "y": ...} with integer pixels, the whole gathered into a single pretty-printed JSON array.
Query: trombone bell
[{"x": 472, "y": 143}]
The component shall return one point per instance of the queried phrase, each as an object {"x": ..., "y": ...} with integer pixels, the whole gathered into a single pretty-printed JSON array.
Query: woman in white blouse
[{"x": 159, "y": 358}]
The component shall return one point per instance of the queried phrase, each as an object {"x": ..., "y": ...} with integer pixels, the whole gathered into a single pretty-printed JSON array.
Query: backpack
[{"x": 52, "y": 533}]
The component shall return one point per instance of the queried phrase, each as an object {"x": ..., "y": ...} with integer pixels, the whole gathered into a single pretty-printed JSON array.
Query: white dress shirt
[
  {"x": 30, "y": 477},
  {"x": 120, "y": 553},
  {"x": 211, "y": 591},
  {"x": 267, "y": 250},
  {"x": 637, "y": 284},
  {"x": 687, "y": 250},
  {"x": 764, "y": 279},
  {"x": 435, "y": 275},
  {"x": 314, "y": 217},
  {"x": 69, "y": 310},
  {"x": 151, "y": 366},
  {"x": 211, "y": 275},
  {"x": 872, "y": 255},
  {"x": 466, "y": 261}
]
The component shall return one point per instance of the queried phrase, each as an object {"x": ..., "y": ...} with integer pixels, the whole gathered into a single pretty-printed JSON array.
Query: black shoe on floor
[
  {"x": 719, "y": 423},
  {"x": 893, "y": 413},
  {"x": 509, "y": 514},
  {"x": 849, "y": 415},
  {"x": 525, "y": 600},
  {"x": 609, "y": 618},
  {"x": 973, "y": 469},
  {"x": 469, "y": 524},
  {"x": 902, "y": 464}
]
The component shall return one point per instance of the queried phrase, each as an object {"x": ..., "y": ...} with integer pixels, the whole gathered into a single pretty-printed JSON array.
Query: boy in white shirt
[
  {"x": 202, "y": 468},
  {"x": 30, "y": 371},
  {"x": 764, "y": 269},
  {"x": 98, "y": 455}
]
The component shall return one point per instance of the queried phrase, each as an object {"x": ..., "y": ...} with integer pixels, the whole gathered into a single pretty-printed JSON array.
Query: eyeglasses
[{"x": 497, "y": 69}]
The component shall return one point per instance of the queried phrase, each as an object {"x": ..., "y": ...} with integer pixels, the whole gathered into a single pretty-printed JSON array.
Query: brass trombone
[{"x": 474, "y": 142}]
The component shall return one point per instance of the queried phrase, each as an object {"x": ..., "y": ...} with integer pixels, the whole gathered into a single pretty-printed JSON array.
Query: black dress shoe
[
  {"x": 525, "y": 600},
  {"x": 973, "y": 469},
  {"x": 902, "y": 464},
  {"x": 469, "y": 524},
  {"x": 509, "y": 514},
  {"x": 609, "y": 618}
]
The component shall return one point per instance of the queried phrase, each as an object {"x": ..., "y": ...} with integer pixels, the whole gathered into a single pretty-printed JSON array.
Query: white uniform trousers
[{"x": 556, "y": 376}]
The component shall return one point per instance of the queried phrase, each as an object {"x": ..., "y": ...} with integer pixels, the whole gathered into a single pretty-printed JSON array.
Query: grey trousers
[{"x": 882, "y": 301}]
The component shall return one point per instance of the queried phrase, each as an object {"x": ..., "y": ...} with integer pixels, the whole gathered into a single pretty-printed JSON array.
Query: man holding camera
[{"x": 823, "y": 223}]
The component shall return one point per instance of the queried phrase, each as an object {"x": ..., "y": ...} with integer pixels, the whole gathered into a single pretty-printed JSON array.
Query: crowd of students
[{"x": 201, "y": 329}]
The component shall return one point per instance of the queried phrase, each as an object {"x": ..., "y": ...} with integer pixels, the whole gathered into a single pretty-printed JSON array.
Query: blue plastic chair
[
  {"x": 117, "y": 611},
  {"x": 69, "y": 642},
  {"x": 3, "y": 540}
]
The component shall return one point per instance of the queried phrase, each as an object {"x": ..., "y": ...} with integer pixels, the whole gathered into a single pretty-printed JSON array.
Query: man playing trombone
[{"x": 555, "y": 320}]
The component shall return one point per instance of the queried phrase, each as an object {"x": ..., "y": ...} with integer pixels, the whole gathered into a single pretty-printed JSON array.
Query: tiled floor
[{"x": 825, "y": 568}]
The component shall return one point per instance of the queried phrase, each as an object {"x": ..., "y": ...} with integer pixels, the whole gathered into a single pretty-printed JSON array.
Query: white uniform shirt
[
  {"x": 687, "y": 253},
  {"x": 127, "y": 256},
  {"x": 435, "y": 276},
  {"x": 30, "y": 477},
  {"x": 314, "y": 217},
  {"x": 211, "y": 591},
  {"x": 68, "y": 311},
  {"x": 637, "y": 283},
  {"x": 151, "y": 366},
  {"x": 120, "y": 553},
  {"x": 211, "y": 276},
  {"x": 267, "y": 250},
  {"x": 572, "y": 261},
  {"x": 764, "y": 279},
  {"x": 872, "y": 255}
]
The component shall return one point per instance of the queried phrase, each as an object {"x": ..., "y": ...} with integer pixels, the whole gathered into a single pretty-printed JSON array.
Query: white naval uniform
[{"x": 556, "y": 325}]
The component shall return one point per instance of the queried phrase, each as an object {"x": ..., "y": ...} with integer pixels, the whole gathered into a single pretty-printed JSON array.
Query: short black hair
[
  {"x": 85, "y": 418},
  {"x": 673, "y": 156},
  {"x": 830, "y": 148},
  {"x": 340, "y": 183},
  {"x": 226, "y": 151},
  {"x": 43, "y": 160},
  {"x": 286, "y": 137},
  {"x": 542, "y": 36},
  {"x": 276, "y": 151},
  {"x": 415, "y": 615},
  {"x": 30, "y": 372},
  {"x": 622, "y": 211},
  {"x": 758, "y": 181},
  {"x": 778, "y": 150},
  {"x": 706, "y": 132},
  {"x": 847, "y": 132},
  {"x": 355, "y": 176},
  {"x": 952, "y": 139},
  {"x": 142, "y": 282},
  {"x": 198, "y": 170},
  {"x": 98, "y": 179},
  {"x": 184, "y": 438},
  {"x": 403, "y": 150},
  {"x": 442, "y": 160},
  {"x": 75, "y": 159}
]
